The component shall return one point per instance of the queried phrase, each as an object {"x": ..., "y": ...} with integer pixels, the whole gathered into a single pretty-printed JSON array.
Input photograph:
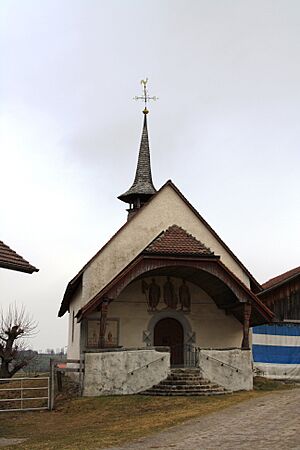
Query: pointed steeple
[{"x": 142, "y": 188}]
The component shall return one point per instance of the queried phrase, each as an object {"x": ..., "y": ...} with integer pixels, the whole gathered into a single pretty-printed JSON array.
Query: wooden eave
[{"x": 261, "y": 314}]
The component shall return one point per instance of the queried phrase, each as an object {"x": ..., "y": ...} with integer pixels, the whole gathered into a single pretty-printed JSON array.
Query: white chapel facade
[{"x": 165, "y": 279}]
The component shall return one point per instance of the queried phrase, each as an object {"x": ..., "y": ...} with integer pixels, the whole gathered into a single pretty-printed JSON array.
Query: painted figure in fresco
[
  {"x": 185, "y": 297},
  {"x": 170, "y": 297},
  {"x": 109, "y": 338},
  {"x": 153, "y": 295}
]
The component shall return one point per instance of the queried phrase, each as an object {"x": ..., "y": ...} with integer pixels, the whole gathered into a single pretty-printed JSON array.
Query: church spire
[{"x": 142, "y": 188}]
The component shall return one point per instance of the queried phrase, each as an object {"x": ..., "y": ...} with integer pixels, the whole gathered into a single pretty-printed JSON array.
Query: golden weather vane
[{"x": 145, "y": 95}]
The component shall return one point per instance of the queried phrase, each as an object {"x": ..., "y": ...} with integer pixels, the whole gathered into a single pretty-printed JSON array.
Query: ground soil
[
  {"x": 262, "y": 423},
  {"x": 105, "y": 422}
]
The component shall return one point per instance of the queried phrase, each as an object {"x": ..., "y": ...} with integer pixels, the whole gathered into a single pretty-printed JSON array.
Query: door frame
[{"x": 170, "y": 314}]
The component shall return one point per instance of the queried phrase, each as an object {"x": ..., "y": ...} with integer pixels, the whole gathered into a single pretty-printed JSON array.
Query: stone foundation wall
[
  {"x": 121, "y": 372},
  {"x": 230, "y": 368}
]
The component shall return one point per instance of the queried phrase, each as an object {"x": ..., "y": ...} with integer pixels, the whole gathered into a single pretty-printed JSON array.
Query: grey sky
[{"x": 225, "y": 130}]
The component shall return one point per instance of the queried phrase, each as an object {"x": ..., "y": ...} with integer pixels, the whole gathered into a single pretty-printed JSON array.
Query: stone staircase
[{"x": 185, "y": 382}]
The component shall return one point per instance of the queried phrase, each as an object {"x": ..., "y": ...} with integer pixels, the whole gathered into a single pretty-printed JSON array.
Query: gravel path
[{"x": 270, "y": 422}]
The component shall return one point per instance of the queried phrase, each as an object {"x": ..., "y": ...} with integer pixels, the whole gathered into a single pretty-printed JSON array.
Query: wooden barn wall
[{"x": 284, "y": 300}]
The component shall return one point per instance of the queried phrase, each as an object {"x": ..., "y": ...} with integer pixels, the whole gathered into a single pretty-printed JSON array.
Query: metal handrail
[
  {"x": 223, "y": 363},
  {"x": 131, "y": 372}
]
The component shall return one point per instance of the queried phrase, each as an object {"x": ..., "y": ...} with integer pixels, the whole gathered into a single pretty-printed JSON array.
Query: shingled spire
[{"x": 142, "y": 188}]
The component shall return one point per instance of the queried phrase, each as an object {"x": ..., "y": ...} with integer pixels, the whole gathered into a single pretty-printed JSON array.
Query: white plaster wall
[
  {"x": 212, "y": 327},
  {"x": 235, "y": 378},
  {"x": 124, "y": 372},
  {"x": 166, "y": 209},
  {"x": 73, "y": 351}
]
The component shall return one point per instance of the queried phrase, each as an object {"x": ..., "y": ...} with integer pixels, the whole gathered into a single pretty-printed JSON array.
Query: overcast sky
[{"x": 225, "y": 130}]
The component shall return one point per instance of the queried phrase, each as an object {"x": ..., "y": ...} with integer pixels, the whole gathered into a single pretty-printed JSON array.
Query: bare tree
[{"x": 15, "y": 326}]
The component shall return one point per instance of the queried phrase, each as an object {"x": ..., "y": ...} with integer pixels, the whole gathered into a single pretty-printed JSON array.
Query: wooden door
[{"x": 169, "y": 332}]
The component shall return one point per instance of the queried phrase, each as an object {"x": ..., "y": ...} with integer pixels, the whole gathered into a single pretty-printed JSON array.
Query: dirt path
[{"x": 270, "y": 422}]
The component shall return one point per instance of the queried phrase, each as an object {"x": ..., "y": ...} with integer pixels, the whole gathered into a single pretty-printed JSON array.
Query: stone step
[
  {"x": 179, "y": 375},
  {"x": 179, "y": 382},
  {"x": 211, "y": 387},
  {"x": 187, "y": 386},
  {"x": 191, "y": 391},
  {"x": 185, "y": 382},
  {"x": 183, "y": 371},
  {"x": 185, "y": 394},
  {"x": 191, "y": 379}
]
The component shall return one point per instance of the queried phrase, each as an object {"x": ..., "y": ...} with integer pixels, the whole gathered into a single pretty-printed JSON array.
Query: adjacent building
[
  {"x": 9, "y": 259},
  {"x": 276, "y": 347}
]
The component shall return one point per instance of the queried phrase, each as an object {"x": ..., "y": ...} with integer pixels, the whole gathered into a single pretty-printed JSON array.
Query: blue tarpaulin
[{"x": 276, "y": 350}]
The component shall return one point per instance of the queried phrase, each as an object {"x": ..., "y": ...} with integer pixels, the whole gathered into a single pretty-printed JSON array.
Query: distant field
[{"x": 90, "y": 423}]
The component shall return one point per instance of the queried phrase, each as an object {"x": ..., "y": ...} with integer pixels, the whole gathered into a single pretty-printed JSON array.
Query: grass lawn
[{"x": 92, "y": 423}]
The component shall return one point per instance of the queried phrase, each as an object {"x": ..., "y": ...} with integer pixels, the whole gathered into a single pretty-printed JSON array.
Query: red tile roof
[
  {"x": 281, "y": 278},
  {"x": 9, "y": 259},
  {"x": 177, "y": 241}
]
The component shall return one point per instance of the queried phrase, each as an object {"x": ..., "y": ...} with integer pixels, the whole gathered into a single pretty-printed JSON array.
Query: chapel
[{"x": 165, "y": 279}]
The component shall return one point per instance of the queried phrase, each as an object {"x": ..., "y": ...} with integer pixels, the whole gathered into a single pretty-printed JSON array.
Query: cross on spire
[{"x": 145, "y": 97}]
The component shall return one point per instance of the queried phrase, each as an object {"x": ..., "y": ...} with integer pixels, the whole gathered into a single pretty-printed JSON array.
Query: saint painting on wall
[
  {"x": 152, "y": 292},
  {"x": 111, "y": 333},
  {"x": 185, "y": 297},
  {"x": 173, "y": 297}
]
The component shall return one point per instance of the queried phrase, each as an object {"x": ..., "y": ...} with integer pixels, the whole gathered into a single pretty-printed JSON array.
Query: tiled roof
[
  {"x": 177, "y": 241},
  {"x": 9, "y": 259},
  {"x": 281, "y": 278},
  {"x": 143, "y": 184}
]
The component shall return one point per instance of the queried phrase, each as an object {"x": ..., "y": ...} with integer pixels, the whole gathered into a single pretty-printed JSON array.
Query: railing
[
  {"x": 184, "y": 355},
  {"x": 24, "y": 401},
  {"x": 146, "y": 365},
  {"x": 222, "y": 363}
]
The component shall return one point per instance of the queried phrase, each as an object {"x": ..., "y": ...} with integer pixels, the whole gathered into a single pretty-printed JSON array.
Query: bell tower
[{"x": 142, "y": 188}]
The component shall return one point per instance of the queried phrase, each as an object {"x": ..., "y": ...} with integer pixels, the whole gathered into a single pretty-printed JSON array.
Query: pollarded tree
[{"x": 15, "y": 326}]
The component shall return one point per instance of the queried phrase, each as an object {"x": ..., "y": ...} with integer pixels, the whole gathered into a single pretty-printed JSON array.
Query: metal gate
[{"x": 24, "y": 394}]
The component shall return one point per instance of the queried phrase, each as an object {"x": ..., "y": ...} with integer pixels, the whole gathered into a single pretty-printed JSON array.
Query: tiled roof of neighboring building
[
  {"x": 177, "y": 241},
  {"x": 281, "y": 278},
  {"x": 9, "y": 259}
]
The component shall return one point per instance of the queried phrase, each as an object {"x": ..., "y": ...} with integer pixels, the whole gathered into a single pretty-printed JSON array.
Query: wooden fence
[{"x": 57, "y": 368}]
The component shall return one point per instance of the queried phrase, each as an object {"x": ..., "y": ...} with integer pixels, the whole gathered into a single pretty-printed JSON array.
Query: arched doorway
[{"x": 169, "y": 332}]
